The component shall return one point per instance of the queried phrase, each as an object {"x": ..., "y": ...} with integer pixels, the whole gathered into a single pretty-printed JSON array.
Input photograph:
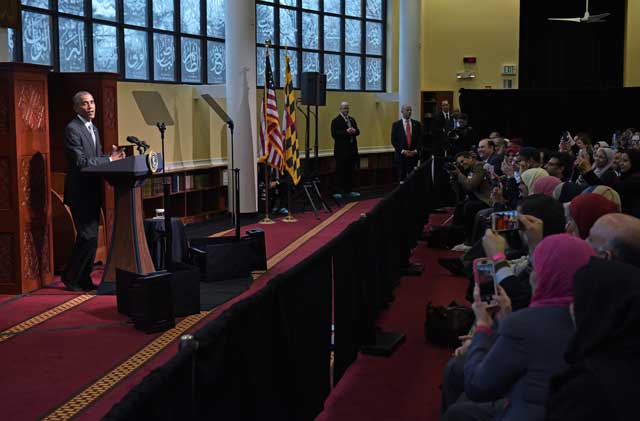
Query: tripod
[{"x": 310, "y": 180}]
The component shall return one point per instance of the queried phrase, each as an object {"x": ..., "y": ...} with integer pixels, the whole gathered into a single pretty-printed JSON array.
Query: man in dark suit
[
  {"x": 83, "y": 194},
  {"x": 344, "y": 131},
  {"x": 444, "y": 119},
  {"x": 406, "y": 138}
]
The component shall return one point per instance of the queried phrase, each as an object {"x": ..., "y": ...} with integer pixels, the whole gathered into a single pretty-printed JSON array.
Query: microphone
[{"x": 139, "y": 143}]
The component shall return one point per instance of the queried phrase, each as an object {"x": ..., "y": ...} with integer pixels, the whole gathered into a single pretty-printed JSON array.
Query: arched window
[
  {"x": 343, "y": 38},
  {"x": 151, "y": 40}
]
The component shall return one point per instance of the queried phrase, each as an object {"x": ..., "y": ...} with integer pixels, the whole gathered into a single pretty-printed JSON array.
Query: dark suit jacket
[
  {"x": 399, "y": 139},
  {"x": 345, "y": 146},
  {"x": 518, "y": 366},
  {"x": 442, "y": 125},
  {"x": 81, "y": 152}
]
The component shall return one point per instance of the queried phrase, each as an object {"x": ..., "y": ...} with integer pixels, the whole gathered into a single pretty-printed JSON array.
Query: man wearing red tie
[{"x": 406, "y": 138}]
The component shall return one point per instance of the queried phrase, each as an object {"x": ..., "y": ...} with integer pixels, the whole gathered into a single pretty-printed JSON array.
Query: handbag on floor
[{"x": 443, "y": 325}]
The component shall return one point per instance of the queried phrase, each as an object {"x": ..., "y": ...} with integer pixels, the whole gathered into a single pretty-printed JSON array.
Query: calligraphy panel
[
  {"x": 105, "y": 48},
  {"x": 353, "y": 36},
  {"x": 332, "y": 6},
  {"x": 374, "y": 38},
  {"x": 73, "y": 7},
  {"x": 36, "y": 38},
  {"x": 135, "y": 12},
  {"x": 374, "y": 9},
  {"x": 216, "y": 62},
  {"x": 104, "y": 9},
  {"x": 163, "y": 14},
  {"x": 310, "y": 62},
  {"x": 311, "y": 4},
  {"x": 331, "y": 33},
  {"x": 72, "y": 45},
  {"x": 374, "y": 74},
  {"x": 136, "y": 56},
  {"x": 353, "y": 7},
  {"x": 215, "y": 18},
  {"x": 164, "y": 57},
  {"x": 190, "y": 16},
  {"x": 264, "y": 23},
  {"x": 191, "y": 60},
  {"x": 333, "y": 69},
  {"x": 42, "y": 4},
  {"x": 288, "y": 28},
  {"x": 310, "y": 32},
  {"x": 353, "y": 72}
]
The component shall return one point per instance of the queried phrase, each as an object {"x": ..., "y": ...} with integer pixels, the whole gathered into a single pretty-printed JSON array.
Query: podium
[{"x": 128, "y": 248}]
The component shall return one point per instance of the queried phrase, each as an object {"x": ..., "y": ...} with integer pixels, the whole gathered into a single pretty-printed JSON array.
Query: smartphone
[
  {"x": 505, "y": 221},
  {"x": 484, "y": 277}
]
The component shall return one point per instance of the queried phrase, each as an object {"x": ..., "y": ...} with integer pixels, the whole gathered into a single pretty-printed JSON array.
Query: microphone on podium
[{"x": 141, "y": 144}]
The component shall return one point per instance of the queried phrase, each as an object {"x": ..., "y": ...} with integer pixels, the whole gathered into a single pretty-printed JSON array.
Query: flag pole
[
  {"x": 266, "y": 220},
  {"x": 289, "y": 218}
]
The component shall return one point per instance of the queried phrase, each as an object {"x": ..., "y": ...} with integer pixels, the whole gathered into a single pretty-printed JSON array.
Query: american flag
[
  {"x": 271, "y": 149},
  {"x": 290, "y": 130}
]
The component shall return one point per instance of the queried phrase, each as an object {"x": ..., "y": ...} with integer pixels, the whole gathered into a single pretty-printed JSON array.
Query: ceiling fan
[{"x": 587, "y": 18}]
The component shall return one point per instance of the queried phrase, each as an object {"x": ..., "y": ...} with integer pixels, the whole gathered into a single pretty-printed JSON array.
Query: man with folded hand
[{"x": 406, "y": 138}]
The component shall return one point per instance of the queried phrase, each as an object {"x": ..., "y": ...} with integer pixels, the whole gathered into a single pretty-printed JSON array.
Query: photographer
[
  {"x": 461, "y": 138},
  {"x": 469, "y": 177}
]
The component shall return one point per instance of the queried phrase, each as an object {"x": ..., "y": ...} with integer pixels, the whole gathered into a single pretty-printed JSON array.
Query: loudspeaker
[
  {"x": 313, "y": 86},
  {"x": 224, "y": 258},
  {"x": 185, "y": 284},
  {"x": 147, "y": 299}
]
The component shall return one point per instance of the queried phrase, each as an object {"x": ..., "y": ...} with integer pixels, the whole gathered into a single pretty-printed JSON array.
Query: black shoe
[{"x": 453, "y": 265}]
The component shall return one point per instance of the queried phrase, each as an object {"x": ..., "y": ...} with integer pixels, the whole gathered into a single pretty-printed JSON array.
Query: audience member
[
  {"x": 629, "y": 184},
  {"x": 487, "y": 153},
  {"x": 560, "y": 165},
  {"x": 529, "y": 345},
  {"x": 585, "y": 210},
  {"x": 603, "y": 377},
  {"x": 616, "y": 236},
  {"x": 529, "y": 177},
  {"x": 528, "y": 158},
  {"x": 601, "y": 172},
  {"x": 565, "y": 192},
  {"x": 546, "y": 185},
  {"x": 606, "y": 192},
  {"x": 469, "y": 177}
]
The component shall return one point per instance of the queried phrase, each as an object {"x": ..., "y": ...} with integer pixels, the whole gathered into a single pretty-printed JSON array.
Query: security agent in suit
[
  {"x": 443, "y": 121},
  {"x": 344, "y": 131},
  {"x": 82, "y": 193},
  {"x": 406, "y": 138}
]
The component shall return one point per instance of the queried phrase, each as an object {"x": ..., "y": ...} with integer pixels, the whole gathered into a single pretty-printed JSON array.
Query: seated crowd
[{"x": 556, "y": 336}]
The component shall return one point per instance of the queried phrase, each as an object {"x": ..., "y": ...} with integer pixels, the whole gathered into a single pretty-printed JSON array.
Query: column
[
  {"x": 241, "y": 97},
  {"x": 409, "y": 52},
  {"x": 4, "y": 44}
]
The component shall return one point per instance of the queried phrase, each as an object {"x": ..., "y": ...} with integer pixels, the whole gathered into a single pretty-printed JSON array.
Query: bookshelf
[{"x": 196, "y": 194}]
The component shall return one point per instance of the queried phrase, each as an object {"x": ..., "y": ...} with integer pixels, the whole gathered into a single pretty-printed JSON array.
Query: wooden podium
[
  {"x": 26, "y": 261},
  {"x": 128, "y": 248}
]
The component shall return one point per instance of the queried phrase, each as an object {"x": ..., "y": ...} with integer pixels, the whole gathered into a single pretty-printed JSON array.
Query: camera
[{"x": 451, "y": 167}]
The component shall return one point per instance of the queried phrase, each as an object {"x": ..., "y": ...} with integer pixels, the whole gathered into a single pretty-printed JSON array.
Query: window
[
  {"x": 343, "y": 38},
  {"x": 150, "y": 40}
]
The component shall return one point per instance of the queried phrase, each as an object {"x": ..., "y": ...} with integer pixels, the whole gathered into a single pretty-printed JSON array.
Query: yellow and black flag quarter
[{"x": 290, "y": 129}]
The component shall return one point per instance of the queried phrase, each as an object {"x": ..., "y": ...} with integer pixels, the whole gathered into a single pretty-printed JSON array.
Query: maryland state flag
[{"x": 289, "y": 128}]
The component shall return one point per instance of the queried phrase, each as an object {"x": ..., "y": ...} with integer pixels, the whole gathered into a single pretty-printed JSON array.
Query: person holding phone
[{"x": 517, "y": 361}]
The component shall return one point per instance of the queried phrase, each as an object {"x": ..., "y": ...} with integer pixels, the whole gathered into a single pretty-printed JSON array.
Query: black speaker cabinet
[
  {"x": 147, "y": 299},
  {"x": 185, "y": 284},
  {"x": 313, "y": 87},
  {"x": 224, "y": 258}
]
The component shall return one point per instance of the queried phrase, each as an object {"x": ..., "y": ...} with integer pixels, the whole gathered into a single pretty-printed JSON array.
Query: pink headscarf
[
  {"x": 546, "y": 185},
  {"x": 555, "y": 261}
]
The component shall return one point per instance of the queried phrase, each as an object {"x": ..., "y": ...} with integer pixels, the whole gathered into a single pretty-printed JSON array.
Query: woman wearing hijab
[
  {"x": 585, "y": 210},
  {"x": 603, "y": 378},
  {"x": 529, "y": 345},
  {"x": 601, "y": 172},
  {"x": 606, "y": 192},
  {"x": 628, "y": 184},
  {"x": 546, "y": 185},
  {"x": 529, "y": 177},
  {"x": 565, "y": 192}
]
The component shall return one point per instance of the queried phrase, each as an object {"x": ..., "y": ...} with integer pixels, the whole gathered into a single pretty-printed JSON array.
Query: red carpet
[
  {"x": 404, "y": 386},
  {"x": 53, "y": 361}
]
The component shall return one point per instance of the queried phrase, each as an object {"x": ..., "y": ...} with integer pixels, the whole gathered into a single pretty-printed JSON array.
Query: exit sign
[{"x": 509, "y": 69}]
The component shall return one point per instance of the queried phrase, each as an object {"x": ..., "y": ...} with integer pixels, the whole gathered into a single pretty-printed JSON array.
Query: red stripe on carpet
[
  {"x": 102, "y": 406},
  {"x": 404, "y": 386}
]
